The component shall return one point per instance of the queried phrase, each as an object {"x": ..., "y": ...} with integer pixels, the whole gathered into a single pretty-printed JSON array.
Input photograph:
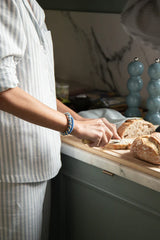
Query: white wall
[{"x": 92, "y": 50}]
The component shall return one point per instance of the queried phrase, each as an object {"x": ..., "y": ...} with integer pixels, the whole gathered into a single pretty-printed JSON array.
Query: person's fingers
[
  {"x": 100, "y": 133},
  {"x": 97, "y": 132},
  {"x": 104, "y": 141},
  {"x": 95, "y": 143},
  {"x": 112, "y": 128},
  {"x": 107, "y": 132},
  {"x": 104, "y": 135},
  {"x": 114, "y": 131}
]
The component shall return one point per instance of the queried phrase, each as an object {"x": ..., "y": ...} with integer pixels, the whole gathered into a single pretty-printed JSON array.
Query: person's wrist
[
  {"x": 81, "y": 118},
  {"x": 70, "y": 124}
]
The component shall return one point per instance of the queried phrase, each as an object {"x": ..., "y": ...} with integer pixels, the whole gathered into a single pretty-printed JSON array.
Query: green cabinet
[{"x": 94, "y": 205}]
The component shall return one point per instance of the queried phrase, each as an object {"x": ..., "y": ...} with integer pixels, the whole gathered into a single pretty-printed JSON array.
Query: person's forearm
[
  {"x": 63, "y": 108},
  {"x": 21, "y": 104}
]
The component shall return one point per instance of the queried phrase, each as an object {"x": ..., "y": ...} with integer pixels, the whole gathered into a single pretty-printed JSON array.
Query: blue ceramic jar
[
  {"x": 134, "y": 85},
  {"x": 153, "y": 88}
]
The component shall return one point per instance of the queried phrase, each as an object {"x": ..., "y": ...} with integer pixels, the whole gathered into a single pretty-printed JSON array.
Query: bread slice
[
  {"x": 115, "y": 144},
  {"x": 147, "y": 148},
  {"x": 133, "y": 128},
  {"x": 119, "y": 144}
]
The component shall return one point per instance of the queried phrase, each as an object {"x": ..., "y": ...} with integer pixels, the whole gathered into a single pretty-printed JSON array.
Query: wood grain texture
[{"x": 122, "y": 157}]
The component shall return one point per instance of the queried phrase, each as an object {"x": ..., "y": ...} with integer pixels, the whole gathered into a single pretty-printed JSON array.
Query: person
[{"x": 31, "y": 119}]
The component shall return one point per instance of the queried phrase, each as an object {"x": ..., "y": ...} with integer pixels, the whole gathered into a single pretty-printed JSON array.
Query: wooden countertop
[{"x": 122, "y": 157}]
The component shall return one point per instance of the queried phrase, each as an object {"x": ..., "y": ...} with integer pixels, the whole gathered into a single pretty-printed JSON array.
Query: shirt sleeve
[{"x": 12, "y": 43}]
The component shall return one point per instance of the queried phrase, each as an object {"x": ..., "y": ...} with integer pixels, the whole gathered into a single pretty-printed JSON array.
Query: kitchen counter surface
[{"x": 118, "y": 162}]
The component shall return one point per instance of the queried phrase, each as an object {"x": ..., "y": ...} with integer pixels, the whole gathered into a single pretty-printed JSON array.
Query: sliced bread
[{"x": 133, "y": 128}]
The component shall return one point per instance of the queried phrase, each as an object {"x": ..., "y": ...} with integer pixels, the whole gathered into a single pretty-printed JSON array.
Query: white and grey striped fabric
[
  {"x": 21, "y": 211},
  {"x": 28, "y": 153}
]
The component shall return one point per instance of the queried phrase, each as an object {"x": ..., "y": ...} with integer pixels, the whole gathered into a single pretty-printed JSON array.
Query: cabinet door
[
  {"x": 98, "y": 206},
  {"x": 95, "y": 214}
]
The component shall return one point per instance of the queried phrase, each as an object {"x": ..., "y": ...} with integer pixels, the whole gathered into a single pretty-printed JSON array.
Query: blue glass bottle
[
  {"x": 134, "y": 85},
  {"x": 153, "y": 88}
]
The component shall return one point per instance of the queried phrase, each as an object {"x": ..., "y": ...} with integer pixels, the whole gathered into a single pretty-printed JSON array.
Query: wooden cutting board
[{"x": 123, "y": 157}]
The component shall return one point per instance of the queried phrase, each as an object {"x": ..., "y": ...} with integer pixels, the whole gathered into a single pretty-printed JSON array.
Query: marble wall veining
[{"x": 92, "y": 50}]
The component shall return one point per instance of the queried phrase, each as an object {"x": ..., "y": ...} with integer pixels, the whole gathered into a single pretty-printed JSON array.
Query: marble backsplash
[{"x": 92, "y": 50}]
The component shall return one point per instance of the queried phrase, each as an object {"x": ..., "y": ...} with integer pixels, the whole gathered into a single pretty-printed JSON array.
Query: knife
[{"x": 86, "y": 141}]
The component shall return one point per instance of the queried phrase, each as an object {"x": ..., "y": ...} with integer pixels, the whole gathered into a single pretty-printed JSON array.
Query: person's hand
[{"x": 97, "y": 132}]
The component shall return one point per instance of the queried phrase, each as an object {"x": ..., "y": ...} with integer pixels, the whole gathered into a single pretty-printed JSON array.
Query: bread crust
[
  {"x": 147, "y": 148},
  {"x": 135, "y": 127}
]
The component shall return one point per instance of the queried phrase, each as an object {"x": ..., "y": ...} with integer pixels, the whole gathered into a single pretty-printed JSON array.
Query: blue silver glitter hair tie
[{"x": 70, "y": 124}]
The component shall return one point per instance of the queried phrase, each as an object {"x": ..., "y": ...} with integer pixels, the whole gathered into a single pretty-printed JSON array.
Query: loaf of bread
[
  {"x": 135, "y": 127},
  {"x": 147, "y": 148}
]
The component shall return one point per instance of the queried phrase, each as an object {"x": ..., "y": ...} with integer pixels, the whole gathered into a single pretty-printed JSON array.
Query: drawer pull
[{"x": 108, "y": 173}]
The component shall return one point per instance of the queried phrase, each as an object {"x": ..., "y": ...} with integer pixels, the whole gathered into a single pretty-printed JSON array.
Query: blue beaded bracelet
[{"x": 70, "y": 124}]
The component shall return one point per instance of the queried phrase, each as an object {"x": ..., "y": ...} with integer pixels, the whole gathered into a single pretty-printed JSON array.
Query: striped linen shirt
[{"x": 28, "y": 153}]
